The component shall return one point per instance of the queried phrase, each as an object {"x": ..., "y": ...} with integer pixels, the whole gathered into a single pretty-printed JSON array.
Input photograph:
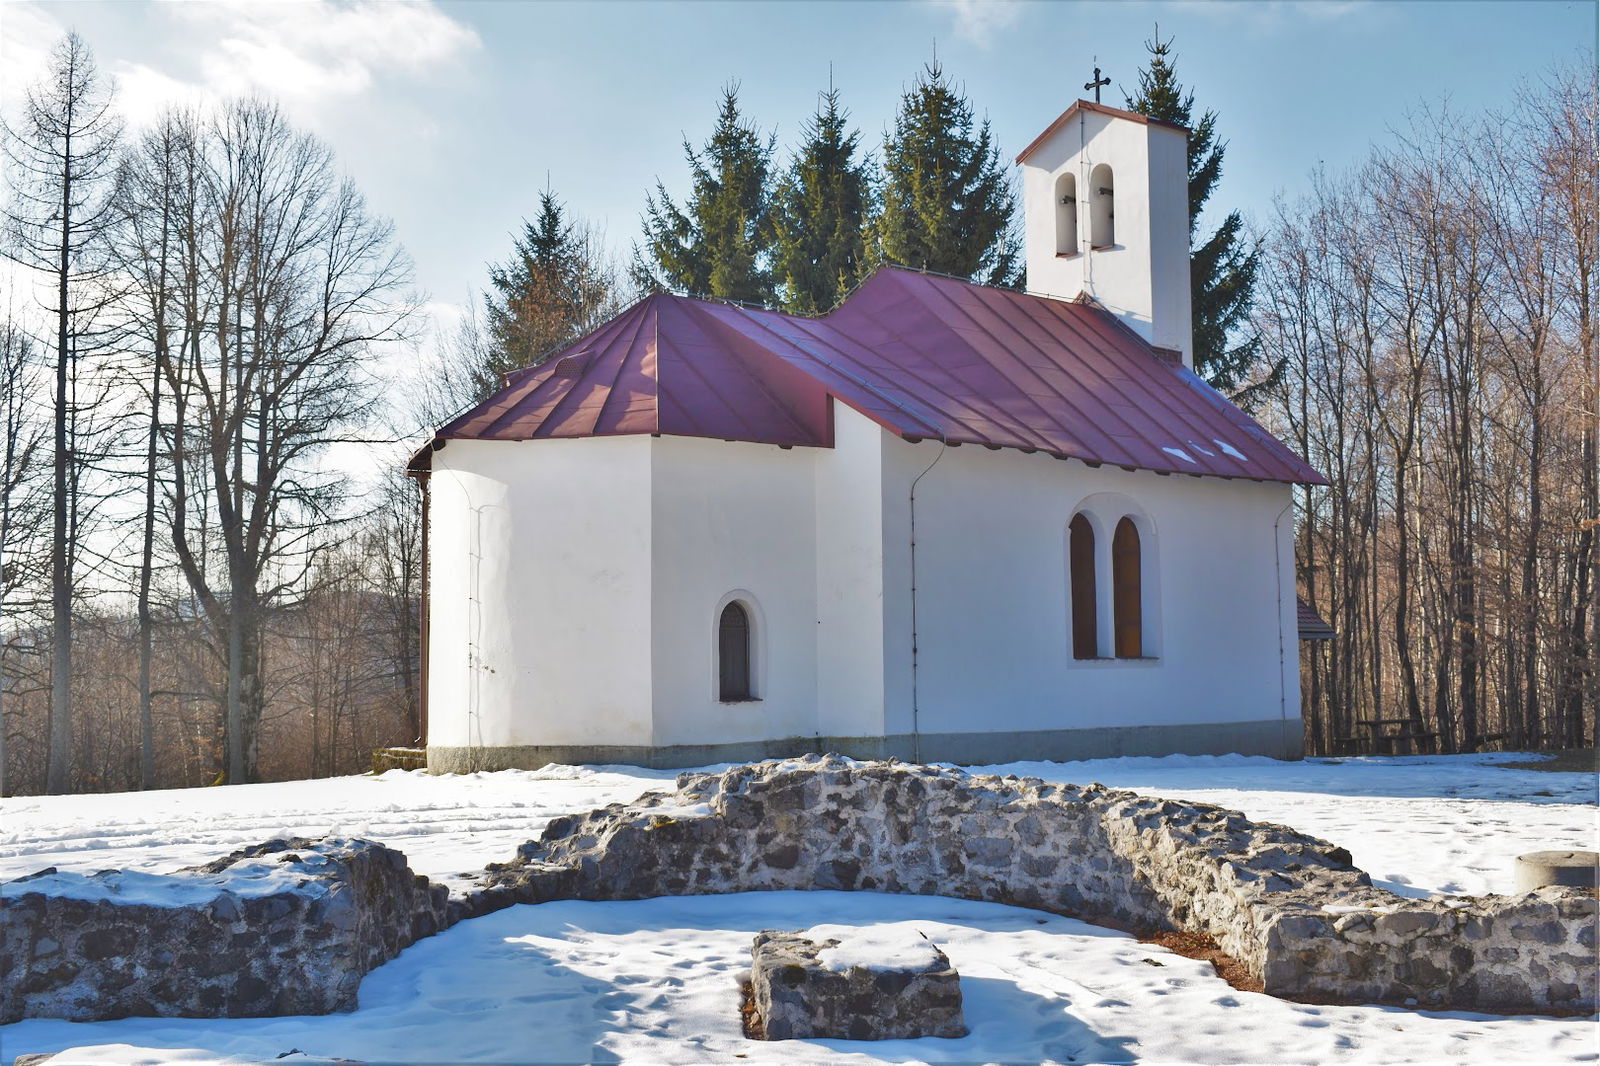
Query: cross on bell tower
[{"x": 1097, "y": 82}]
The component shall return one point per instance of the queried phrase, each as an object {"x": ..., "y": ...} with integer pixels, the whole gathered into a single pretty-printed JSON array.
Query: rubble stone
[
  {"x": 211, "y": 942},
  {"x": 908, "y": 991},
  {"x": 1291, "y": 908}
]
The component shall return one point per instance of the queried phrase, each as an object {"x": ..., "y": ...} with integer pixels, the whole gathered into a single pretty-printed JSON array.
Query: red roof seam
[
  {"x": 853, "y": 378},
  {"x": 1045, "y": 442},
  {"x": 801, "y": 430},
  {"x": 1018, "y": 428},
  {"x": 1142, "y": 401},
  {"x": 588, "y": 375}
]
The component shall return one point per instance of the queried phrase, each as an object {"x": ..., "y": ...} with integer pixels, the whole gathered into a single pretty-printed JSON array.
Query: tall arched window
[
  {"x": 1102, "y": 214},
  {"x": 1127, "y": 591},
  {"x": 1067, "y": 215},
  {"x": 733, "y": 654},
  {"x": 1080, "y": 558}
]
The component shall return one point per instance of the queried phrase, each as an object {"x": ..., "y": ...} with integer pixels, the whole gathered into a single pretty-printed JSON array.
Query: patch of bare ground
[
  {"x": 748, "y": 1018},
  {"x": 1200, "y": 946},
  {"x": 1569, "y": 761}
]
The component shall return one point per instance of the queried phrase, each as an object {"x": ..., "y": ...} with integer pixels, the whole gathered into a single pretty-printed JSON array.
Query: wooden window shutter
[
  {"x": 733, "y": 653},
  {"x": 1126, "y": 591},
  {"x": 1085, "y": 623}
]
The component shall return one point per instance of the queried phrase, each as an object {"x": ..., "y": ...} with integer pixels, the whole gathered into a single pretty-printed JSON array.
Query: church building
[{"x": 941, "y": 522}]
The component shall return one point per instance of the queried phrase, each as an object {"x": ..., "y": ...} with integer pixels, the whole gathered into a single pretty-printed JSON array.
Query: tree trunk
[{"x": 59, "y": 776}]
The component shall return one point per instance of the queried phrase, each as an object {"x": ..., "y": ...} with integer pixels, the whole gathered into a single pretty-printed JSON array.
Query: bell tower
[{"x": 1105, "y": 196}]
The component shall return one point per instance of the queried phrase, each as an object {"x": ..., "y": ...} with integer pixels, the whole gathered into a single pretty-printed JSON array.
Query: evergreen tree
[
  {"x": 719, "y": 243},
  {"x": 947, "y": 198},
  {"x": 1222, "y": 269},
  {"x": 555, "y": 287},
  {"x": 820, "y": 214}
]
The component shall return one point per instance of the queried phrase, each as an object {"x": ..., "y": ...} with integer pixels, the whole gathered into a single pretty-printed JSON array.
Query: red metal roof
[{"x": 924, "y": 356}]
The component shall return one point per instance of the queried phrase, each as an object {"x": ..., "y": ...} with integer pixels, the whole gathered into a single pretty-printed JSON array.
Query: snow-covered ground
[{"x": 655, "y": 981}]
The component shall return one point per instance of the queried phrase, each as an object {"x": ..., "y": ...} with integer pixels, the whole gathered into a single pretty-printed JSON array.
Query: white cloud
[
  {"x": 306, "y": 53},
  {"x": 27, "y": 34},
  {"x": 978, "y": 21},
  {"x": 318, "y": 48}
]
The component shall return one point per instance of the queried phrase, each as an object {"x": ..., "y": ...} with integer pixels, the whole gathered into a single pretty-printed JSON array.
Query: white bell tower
[{"x": 1105, "y": 196}]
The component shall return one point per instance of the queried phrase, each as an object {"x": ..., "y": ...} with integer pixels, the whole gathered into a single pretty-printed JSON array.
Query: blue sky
[{"x": 451, "y": 115}]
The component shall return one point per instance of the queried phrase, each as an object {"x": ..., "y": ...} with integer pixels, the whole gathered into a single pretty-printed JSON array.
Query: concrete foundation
[{"x": 1277, "y": 738}]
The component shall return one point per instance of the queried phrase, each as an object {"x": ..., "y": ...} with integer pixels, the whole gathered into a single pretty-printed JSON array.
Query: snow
[
  {"x": 655, "y": 981},
  {"x": 265, "y": 875},
  {"x": 897, "y": 946},
  {"x": 446, "y": 825},
  {"x": 1180, "y": 453},
  {"x": 1229, "y": 449}
]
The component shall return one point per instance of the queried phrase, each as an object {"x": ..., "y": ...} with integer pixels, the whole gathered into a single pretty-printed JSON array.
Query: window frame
[{"x": 755, "y": 658}]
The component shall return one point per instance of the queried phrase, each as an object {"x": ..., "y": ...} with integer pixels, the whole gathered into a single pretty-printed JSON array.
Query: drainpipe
[{"x": 916, "y": 710}]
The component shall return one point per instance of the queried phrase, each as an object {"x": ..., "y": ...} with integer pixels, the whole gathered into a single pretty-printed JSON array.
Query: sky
[{"x": 452, "y": 116}]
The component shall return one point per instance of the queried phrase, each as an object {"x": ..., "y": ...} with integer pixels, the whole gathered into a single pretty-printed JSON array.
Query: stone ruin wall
[
  {"x": 302, "y": 950},
  {"x": 1289, "y": 906}
]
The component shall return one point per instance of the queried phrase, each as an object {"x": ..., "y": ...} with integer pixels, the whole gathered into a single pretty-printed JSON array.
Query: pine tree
[
  {"x": 1222, "y": 269},
  {"x": 947, "y": 199},
  {"x": 719, "y": 243},
  {"x": 820, "y": 214},
  {"x": 555, "y": 287}
]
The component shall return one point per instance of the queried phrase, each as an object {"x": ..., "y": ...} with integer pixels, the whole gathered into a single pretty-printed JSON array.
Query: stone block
[
  {"x": 854, "y": 984},
  {"x": 1574, "y": 869}
]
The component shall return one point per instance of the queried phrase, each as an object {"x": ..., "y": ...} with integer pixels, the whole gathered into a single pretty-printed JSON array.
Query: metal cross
[{"x": 1098, "y": 81}]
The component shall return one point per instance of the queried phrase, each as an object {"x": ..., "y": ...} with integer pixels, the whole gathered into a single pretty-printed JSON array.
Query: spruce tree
[
  {"x": 820, "y": 214},
  {"x": 1222, "y": 269},
  {"x": 947, "y": 198},
  {"x": 555, "y": 286},
  {"x": 719, "y": 243}
]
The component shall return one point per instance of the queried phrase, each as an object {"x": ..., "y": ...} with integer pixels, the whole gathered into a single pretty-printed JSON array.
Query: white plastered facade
[{"x": 576, "y": 587}]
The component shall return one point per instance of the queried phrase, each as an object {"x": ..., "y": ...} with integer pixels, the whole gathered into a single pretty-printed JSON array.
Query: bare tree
[
  {"x": 24, "y": 501},
  {"x": 62, "y": 155},
  {"x": 1435, "y": 314},
  {"x": 155, "y": 205},
  {"x": 288, "y": 283}
]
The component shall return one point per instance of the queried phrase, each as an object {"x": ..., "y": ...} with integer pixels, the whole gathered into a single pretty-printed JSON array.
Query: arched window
[
  {"x": 1067, "y": 215},
  {"x": 1127, "y": 591},
  {"x": 1102, "y": 216},
  {"x": 1080, "y": 557},
  {"x": 733, "y": 654}
]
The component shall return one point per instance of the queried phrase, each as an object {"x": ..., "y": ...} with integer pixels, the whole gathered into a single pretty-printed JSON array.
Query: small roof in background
[
  {"x": 926, "y": 357},
  {"x": 1312, "y": 627}
]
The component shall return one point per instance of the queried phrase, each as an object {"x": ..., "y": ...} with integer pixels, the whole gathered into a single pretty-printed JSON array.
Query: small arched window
[
  {"x": 1127, "y": 591},
  {"x": 1067, "y": 215},
  {"x": 1080, "y": 558},
  {"x": 733, "y": 654},
  {"x": 1102, "y": 213}
]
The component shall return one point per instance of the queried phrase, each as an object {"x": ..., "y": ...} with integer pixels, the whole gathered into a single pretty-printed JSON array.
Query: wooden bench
[{"x": 1387, "y": 735}]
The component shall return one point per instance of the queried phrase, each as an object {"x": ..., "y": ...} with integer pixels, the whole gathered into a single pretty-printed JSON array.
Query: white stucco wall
[
  {"x": 850, "y": 603},
  {"x": 796, "y": 534},
  {"x": 1144, "y": 276},
  {"x": 539, "y": 595},
  {"x": 576, "y": 587},
  {"x": 733, "y": 519},
  {"x": 993, "y": 604}
]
